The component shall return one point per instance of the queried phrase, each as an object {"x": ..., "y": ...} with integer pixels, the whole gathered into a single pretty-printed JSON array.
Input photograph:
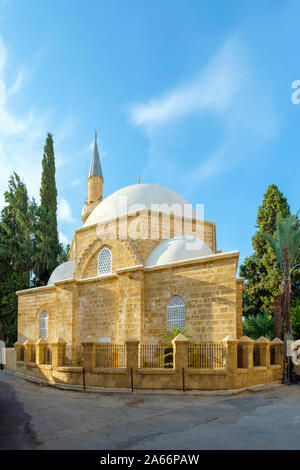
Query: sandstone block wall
[
  {"x": 30, "y": 307},
  {"x": 209, "y": 292}
]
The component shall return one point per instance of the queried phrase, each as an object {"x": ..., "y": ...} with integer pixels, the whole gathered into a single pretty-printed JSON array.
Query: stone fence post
[
  {"x": 132, "y": 347},
  {"x": 28, "y": 345},
  {"x": 278, "y": 346},
  {"x": 89, "y": 353},
  {"x": 180, "y": 352},
  {"x": 18, "y": 347},
  {"x": 264, "y": 351},
  {"x": 231, "y": 363},
  {"x": 40, "y": 351},
  {"x": 247, "y": 345},
  {"x": 58, "y": 352}
]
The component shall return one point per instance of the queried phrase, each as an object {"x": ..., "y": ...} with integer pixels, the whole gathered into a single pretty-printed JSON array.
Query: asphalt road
[{"x": 39, "y": 417}]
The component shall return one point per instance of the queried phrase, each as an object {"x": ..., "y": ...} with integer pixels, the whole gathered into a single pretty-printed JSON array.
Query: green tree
[
  {"x": 49, "y": 250},
  {"x": 17, "y": 247},
  {"x": 169, "y": 336},
  {"x": 295, "y": 319},
  {"x": 260, "y": 270},
  {"x": 259, "y": 325},
  {"x": 173, "y": 332}
]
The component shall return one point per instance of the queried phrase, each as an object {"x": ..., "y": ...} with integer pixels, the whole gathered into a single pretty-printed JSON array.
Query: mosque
[{"x": 143, "y": 262}]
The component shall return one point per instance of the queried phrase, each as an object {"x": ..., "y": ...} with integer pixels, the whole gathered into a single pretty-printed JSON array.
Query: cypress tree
[
  {"x": 48, "y": 247},
  {"x": 260, "y": 270},
  {"x": 17, "y": 247}
]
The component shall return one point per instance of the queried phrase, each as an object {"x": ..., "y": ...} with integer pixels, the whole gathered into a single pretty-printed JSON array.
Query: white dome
[
  {"x": 178, "y": 249},
  {"x": 137, "y": 197},
  {"x": 63, "y": 272}
]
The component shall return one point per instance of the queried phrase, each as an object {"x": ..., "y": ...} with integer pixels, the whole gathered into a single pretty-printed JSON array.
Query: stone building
[{"x": 142, "y": 262}]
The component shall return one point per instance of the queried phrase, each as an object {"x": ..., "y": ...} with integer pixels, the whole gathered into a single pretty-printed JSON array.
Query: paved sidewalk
[{"x": 61, "y": 419}]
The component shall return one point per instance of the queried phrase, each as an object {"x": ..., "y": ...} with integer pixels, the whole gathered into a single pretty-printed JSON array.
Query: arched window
[
  {"x": 104, "y": 262},
  {"x": 176, "y": 313},
  {"x": 44, "y": 325}
]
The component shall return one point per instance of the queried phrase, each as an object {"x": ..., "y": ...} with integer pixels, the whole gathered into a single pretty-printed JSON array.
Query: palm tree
[
  {"x": 173, "y": 332},
  {"x": 286, "y": 248},
  {"x": 259, "y": 325},
  {"x": 169, "y": 336}
]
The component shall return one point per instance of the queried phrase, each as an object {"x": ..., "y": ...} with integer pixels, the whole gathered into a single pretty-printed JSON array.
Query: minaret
[{"x": 95, "y": 184}]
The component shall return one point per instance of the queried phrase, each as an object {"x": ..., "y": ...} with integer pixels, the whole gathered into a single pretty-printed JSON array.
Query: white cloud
[
  {"x": 15, "y": 87},
  {"x": 213, "y": 90},
  {"x": 3, "y": 55},
  {"x": 75, "y": 182},
  {"x": 63, "y": 238},
  {"x": 230, "y": 91},
  {"x": 22, "y": 135},
  {"x": 64, "y": 212}
]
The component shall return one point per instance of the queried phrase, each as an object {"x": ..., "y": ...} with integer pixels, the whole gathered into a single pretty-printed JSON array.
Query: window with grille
[
  {"x": 104, "y": 262},
  {"x": 44, "y": 325},
  {"x": 176, "y": 313}
]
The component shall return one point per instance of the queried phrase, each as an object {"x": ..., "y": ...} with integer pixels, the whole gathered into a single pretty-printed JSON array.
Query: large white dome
[
  {"x": 177, "y": 249},
  {"x": 137, "y": 197}
]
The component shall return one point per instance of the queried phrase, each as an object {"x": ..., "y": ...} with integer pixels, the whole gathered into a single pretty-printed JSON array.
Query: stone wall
[
  {"x": 11, "y": 359},
  {"x": 181, "y": 377},
  {"x": 30, "y": 306},
  {"x": 131, "y": 305},
  {"x": 122, "y": 256},
  {"x": 239, "y": 307},
  {"x": 208, "y": 290},
  {"x": 134, "y": 302},
  {"x": 146, "y": 227},
  {"x": 97, "y": 309}
]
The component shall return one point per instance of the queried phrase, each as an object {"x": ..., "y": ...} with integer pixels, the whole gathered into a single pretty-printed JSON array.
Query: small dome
[
  {"x": 63, "y": 272},
  {"x": 177, "y": 249},
  {"x": 137, "y": 197}
]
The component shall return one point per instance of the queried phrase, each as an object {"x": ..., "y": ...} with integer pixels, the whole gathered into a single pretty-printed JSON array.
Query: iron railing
[
  {"x": 240, "y": 361},
  {"x": 112, "y": 356},
  {"x": 155, "y": 356},
  {"x": 272, "y": 355},
  {"x": 48, "y": 355},
  {"x": 33, "y": 357},
  {"x": 73, "y": 356},
  {"x": 22, "y": 353},
  {"x": 207, "y": 356},
  {"x": 256, "y": 355}
]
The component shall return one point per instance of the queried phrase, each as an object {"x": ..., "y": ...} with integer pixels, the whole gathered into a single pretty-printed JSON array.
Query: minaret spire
[
  {"x": 95, "y": 183},
  {"x": 95, "y": 168}
]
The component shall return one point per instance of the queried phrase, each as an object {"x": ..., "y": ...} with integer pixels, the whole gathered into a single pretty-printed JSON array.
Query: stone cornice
[
  {"x": 203, "y": 259},
  {"x": 35, "y": 289}
]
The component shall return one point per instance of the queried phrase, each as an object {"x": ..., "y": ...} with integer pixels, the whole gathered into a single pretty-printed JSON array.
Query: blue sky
[{"x": 192, "y": 95}]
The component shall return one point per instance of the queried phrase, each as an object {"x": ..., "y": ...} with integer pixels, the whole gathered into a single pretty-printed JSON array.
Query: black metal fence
[
  {"x": 33, "y": 357},
  {"x": 48, "y": 355},
  {"x": 207, "y": 356},
  {"x": 73, "y": 356},
  {"x": 22, "y": 353},
  {"x": 155, "y": 356},
  {"x": 112, "y": 356},
  {"x": 256, "y": 355},
  {"x": 272, "y": 355},
  {"x": 240, "y": 356}
]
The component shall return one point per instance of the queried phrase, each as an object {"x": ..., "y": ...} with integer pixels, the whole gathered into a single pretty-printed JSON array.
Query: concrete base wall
[
  {"x": 11, "y": 362},
  {"x": 160, "y": 379}
]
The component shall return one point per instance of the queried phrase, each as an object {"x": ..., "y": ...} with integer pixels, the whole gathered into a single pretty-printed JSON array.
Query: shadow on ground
[{"x": 15, "y": 428}]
